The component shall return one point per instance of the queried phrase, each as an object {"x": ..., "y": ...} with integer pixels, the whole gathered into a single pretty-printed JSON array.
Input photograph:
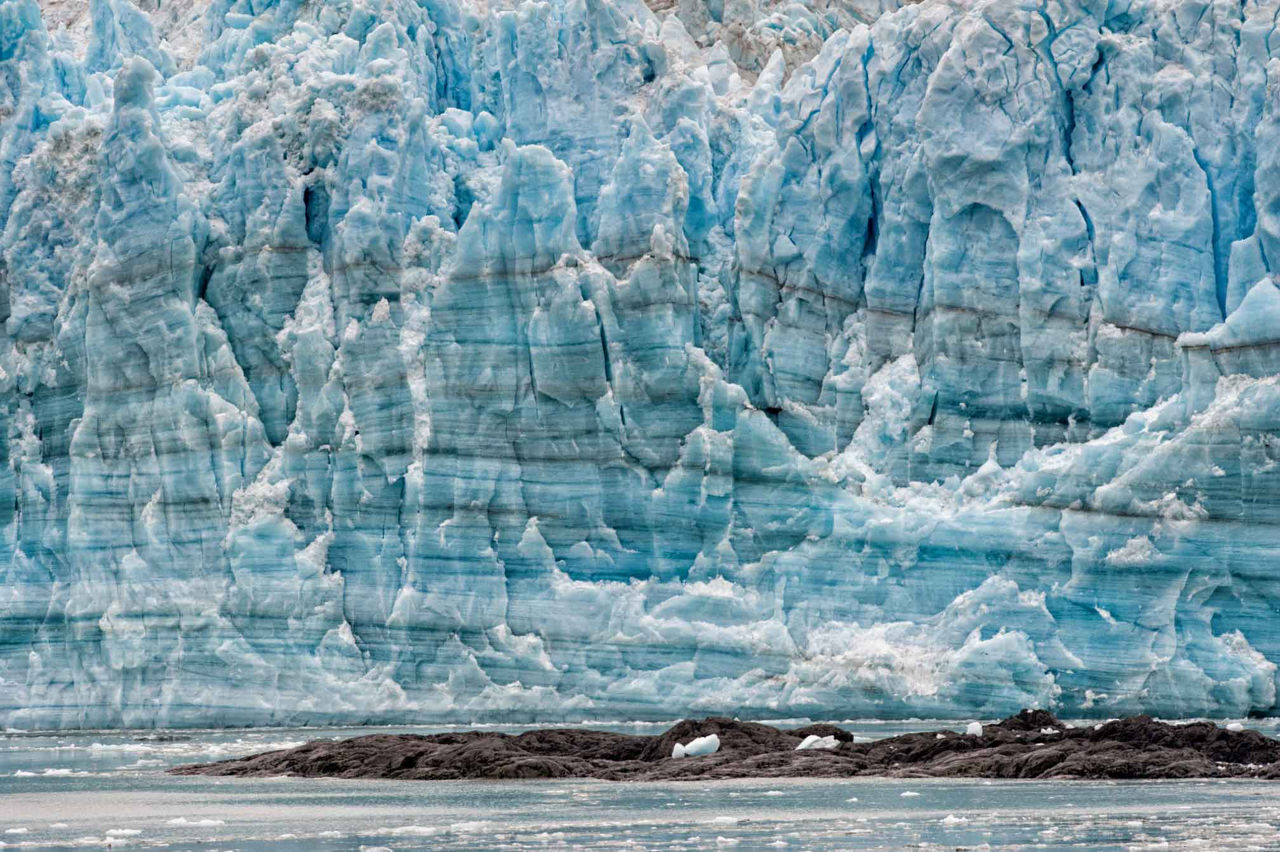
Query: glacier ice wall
[{"x": 423, "y": 360}]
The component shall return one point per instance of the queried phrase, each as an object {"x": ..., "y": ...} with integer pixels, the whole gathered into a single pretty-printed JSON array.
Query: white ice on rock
[
  {"x": 815, "y": 741},
  {"x": 438, "y": 360},
  {"x": 697, "y": 747}
]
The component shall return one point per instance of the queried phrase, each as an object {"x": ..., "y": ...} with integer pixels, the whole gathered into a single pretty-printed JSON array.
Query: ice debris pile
[{"x": 417, "y": 360}]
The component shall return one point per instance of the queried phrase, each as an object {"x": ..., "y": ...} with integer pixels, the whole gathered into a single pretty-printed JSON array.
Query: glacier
[{"x": 448, "y": 360}]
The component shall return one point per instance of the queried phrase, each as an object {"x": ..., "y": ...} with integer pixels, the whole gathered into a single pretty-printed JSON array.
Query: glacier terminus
[{"x": 384, "y": 361}]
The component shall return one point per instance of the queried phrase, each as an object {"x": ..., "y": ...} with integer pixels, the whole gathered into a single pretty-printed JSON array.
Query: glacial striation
[
  {"x": 1032, "y": 744},
  {"x": 437, "y": 360}
]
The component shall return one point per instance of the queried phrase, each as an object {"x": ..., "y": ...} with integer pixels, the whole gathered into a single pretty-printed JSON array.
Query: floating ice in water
[
  {"x": 123, "y": 832},
  {"x": 952, "y": 819},
  {"x": 815, "y": 741},
  {"x": 465, "y": 827},
  {"x": 709, "y": 744},
  {"x": 974, "y": 729},
  {"x": 413, "y": 831},
  {"x": 470, "y": 826},
  {"x": 909, "y": 794},
  {"x": 52, "y": 772},
  {"x": 202, "y": 823},
  {"x": 18, "y": 830}
]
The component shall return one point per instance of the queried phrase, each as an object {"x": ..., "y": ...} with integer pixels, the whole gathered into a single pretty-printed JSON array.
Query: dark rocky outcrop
[{"x": 1032, "y": 744}]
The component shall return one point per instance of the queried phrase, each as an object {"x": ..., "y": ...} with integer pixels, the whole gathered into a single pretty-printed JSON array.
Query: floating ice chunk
[
  {"x": 199, "y": 823},
  {"x": 814, "y": 741},
  {"x": 412, "y": 831},
  {"x": 18, "y": 830},
  {"x": 710, "y": 744},
  {"x": 123, "y": 832},
  {"x": 974, "y": 729},
  {"x": 909, "y": 794},
  {"x": 952, "y": 819}
]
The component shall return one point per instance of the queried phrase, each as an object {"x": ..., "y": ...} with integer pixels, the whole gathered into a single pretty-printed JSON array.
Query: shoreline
[{"x": 1030, "y": 745}]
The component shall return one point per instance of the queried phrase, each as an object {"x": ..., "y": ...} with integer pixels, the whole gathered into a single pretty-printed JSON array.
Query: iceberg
[{"x": 434, "y": 360}]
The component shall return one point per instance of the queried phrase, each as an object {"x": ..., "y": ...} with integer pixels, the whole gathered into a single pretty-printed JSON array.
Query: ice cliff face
[{"x": 434, "y": 359}]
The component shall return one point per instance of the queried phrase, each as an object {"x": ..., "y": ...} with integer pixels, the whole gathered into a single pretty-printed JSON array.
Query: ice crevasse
[{"x": 439, "y": 360}]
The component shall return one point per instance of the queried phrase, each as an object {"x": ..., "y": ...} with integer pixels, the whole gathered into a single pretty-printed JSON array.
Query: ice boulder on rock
[
  {"x": 813, "y": 741},
  {"x": 697, "y": 747}
]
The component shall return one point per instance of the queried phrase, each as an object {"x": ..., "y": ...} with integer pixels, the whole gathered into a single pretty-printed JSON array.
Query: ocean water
[{"x": 109, "y": 790}]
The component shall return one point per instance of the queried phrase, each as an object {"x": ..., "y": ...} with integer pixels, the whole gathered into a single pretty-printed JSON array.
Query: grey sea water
[{"x": 109, "y": 790}]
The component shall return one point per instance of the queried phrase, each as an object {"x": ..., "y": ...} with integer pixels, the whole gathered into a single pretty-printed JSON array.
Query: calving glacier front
[{"x": 436, "y": 360}]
